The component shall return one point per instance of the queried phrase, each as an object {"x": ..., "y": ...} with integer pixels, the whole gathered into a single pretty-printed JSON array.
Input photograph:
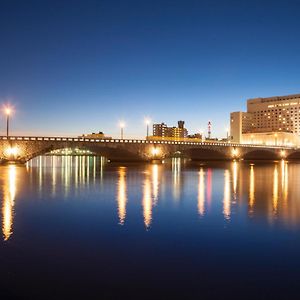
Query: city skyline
[{"x": 69, "y": 70}]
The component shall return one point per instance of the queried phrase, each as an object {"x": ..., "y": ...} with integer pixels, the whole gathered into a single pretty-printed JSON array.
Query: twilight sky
[{"x": 70, "y": 67}]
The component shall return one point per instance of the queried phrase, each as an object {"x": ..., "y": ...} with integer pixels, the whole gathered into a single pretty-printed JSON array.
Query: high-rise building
[{"x": 271, "y": 116}]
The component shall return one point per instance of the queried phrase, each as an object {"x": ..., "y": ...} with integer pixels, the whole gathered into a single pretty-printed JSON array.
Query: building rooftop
[{"x": 274, "y": 98}]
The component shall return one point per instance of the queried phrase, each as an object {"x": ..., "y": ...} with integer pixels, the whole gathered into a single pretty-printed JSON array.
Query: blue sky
[{"x": 70, "y": 67}]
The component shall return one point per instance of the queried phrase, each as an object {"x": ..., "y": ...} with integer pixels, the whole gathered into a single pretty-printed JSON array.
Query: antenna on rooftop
[{"x": 209, "y": 129}]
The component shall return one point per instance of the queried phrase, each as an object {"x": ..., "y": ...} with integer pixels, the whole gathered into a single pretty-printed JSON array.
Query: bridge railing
[{"x": 136, "y": 141}]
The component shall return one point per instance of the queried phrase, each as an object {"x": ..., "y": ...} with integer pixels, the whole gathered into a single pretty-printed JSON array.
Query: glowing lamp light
[
  {"x": 7, "y": 111},
  {"x": 234, "y": 152},
  {"x": 155, "y": 151},
  {"x": 122, "y": 124},
  {"x": 147, "y": 121},
  {"x": 282, "y": 154},
  {"x": 12, "y": 151}
]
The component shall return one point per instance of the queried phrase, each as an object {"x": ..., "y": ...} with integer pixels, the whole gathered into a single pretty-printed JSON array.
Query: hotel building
[{"x": 270, "y": 121}]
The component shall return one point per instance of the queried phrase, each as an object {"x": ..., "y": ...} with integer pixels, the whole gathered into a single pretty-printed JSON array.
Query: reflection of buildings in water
[
  {"x": 201, "y": 193},
  {"x": 176, "y": 172},
  {"x": 122, "y": 195},
  {"x": 147, "y": 202},
  {"x": 226, "y": 198},
  {"x": 155, "y": 182},
  {"x": 208, "y": 186},
  {"x": 9, "y": 195},
  {"x": 251, "y": 189}
]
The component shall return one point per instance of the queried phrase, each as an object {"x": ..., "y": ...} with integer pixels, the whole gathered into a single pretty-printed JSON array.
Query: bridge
[{"x": 20, "y": 149}]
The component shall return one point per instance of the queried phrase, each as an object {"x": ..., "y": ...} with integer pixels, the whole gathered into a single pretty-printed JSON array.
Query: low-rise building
[
  {"x": 163, "y": 131},
  {"x": 99, "y": 135}
]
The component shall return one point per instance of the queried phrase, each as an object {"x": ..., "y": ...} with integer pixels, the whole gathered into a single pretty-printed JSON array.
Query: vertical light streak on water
[
  {"x": 208, "y": 187},
  {"x": 101, "y": 168},
  {"x": 235, "y": 177},
  {"x": 176, "y": 170},
  {"x": 67, "y": 174},
  {"x": 88, "y": 169},
  {"x": 54, "y": 170},
  {"x": 284, "y": 181},
  {"x": 80, "y": 170},
  {"x": 147, "y": 202},
  {"x": 155, "y": 183},
  {"x": 94, "y": 168},
  {"x": 275, "y": 191},
  {"x": 201, "y": 193},
  {"x": 83, "y": 169},
  {"x": 251, "y": 189},
  {"x": 226, "y": 198},
  {"x": 76, "y": 172},
  {"x": 286, "y": 184},
  {"x": 40, "y": 164},
  {"x": 9, "y": 194},
  {"x": 122, "y": 195}
]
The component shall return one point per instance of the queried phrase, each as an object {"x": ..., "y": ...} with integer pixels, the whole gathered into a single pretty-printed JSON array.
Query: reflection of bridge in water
[{"x": 23, "y": 148}]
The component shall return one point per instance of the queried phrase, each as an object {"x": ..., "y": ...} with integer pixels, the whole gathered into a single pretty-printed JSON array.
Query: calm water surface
[{"x": 83, "y": 228}]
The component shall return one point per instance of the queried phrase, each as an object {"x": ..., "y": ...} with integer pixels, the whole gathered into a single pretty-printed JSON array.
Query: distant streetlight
[
  {"x": 8, "y": 112},
  {"x": 122, "y": 125},
  {"x": 147, "y": 121}
]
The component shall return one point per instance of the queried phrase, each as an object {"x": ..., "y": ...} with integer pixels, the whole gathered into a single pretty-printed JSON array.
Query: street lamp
[
  {"x": 122, "y": 125},
  {"x": 227, "y": 134},
  {"x": 201, "y": 134},
  {"x": 147, "y": 121},
  {"x": 8, "y": 113}
]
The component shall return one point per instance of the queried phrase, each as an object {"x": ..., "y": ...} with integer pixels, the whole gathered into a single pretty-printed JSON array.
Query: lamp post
[
  {"x": 7, "y": 112},
  {"x": 122, "y": 125},
  {"x": 147, "y": 121},
  {"x": 201, "y": 135},
  {"x": 227, "y": 134}
]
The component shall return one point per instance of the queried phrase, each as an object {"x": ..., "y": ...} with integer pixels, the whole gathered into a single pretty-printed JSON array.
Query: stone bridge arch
[
  {"x": 207, "y": 153},
  {"x": 24, "y": 150},
  {"x": 261, "y": 154},
  {"x": 294, "y": 154}
]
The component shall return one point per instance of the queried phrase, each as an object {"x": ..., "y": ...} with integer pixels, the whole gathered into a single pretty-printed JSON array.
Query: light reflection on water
[
  {"x": 9, "y": 194},
  {"x": 122, "y": 195},
  {"x": 262, "y": 188},
  {"x": 131, "y": 226}
]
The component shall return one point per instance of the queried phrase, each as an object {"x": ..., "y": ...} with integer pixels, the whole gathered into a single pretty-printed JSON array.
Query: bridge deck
[{"x": 137, "y": 141}]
